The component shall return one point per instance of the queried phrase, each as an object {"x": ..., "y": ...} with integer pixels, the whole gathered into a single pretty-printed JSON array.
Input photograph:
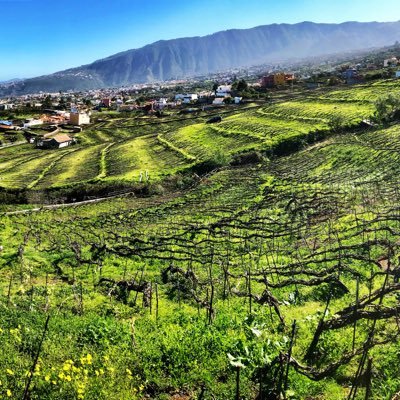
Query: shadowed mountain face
[{"x": 179, "y": 58}]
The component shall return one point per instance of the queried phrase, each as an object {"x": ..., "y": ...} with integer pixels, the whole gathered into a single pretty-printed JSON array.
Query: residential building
[
  {"x": 32, "y": 122},
  {"x": 352, "y": 76},
  {"x": 6, "y": 126},
  {"x": 278, "y": 79},
  {"x": 79, "y": 118},
  {"x": 106, "y": 102},
  {"x": 5, "y": 107},
  {"x": 268, "y": 81},
  {"x": 218, "y": 101},
  {"x": 161, "y": 102},
  {"x": 223, "y": 91},
  {"x": 389, "y": 62},
  {"x": 187, "y": 98},
  {"x": 56, "y": 142}
]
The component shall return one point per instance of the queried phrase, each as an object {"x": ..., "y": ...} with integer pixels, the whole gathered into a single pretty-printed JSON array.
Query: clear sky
[{"x": 44, "y": 36}]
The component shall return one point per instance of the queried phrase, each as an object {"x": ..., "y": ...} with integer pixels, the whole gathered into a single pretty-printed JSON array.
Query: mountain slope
[{"x": 177, "y": 58}]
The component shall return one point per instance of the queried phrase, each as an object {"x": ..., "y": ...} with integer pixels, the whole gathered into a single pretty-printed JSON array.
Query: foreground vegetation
[{"x": 275, "y": 275}]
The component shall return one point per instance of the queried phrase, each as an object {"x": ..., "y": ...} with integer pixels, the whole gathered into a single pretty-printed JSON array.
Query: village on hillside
[{"x": 51, "y": 120}]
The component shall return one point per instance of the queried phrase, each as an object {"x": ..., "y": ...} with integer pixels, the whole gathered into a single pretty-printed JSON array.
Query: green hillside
[{"x": 274, "y": 276}]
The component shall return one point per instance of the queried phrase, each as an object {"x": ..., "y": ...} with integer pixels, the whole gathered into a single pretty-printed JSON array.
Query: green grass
[
  {"x": 129, "y": 159},
  {"x": 79, "y": 165},
  {"x": 291, "y": 227},
  {"x": 203, "y": 141},
  {"x": 23, "y": 174}
]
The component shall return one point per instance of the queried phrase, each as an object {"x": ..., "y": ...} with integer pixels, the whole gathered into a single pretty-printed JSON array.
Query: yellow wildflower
[{"x": 9, "y": 393}]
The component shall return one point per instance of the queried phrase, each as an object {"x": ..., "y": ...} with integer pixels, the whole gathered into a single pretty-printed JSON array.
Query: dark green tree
[{"x": 47, "y": 102}]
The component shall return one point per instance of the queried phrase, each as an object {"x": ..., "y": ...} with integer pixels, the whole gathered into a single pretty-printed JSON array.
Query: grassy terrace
[
  {"x": 127, "y": 160},
  {"x": 132, "y": 146},
  {"x": 302, "y": 222},
  {"x": 200, "y": 290}
]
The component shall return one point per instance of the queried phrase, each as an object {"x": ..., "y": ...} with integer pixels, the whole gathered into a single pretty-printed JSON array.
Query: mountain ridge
[{"x": 200, "y": 55}]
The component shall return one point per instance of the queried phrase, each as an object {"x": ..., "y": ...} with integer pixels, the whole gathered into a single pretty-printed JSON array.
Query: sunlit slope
[{"x": 120, "y": 149}]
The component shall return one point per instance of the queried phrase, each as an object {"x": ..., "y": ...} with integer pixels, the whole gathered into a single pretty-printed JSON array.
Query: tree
[
  {"x": 336, "y": 121},
  {"x": 242, "y": 85},
  {"x": 62, "y": 104},
  {"x": 47, "y": 103},
  {"x": 387, "y": 108}
]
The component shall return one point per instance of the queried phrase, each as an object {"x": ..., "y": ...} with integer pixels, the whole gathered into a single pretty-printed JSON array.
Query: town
[{"x": 51, "y": 120}]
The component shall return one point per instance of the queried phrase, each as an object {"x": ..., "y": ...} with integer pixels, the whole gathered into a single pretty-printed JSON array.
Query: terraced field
[
  {"x": 277, "y": 278},
  {"x": 366, "y": 93},
  {"x": 131, "y": 159},
  {"x": 80, "y": 164},
  {"x": 25, "y": 172},
  {"x": 120, "y": 149},
  {"x": 287, "y": 268},
  {"x": 322, "y": 112}
]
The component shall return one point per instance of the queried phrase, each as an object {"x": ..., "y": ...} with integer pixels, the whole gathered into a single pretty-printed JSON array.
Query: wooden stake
[{"x": 32, "y": 370}]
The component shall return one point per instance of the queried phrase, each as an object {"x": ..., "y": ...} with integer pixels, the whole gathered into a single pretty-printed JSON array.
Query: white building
[
  {"x": 218, "y": 101},
  {"x": 6, "y": 106},
  {"x": 79, "y": 118},
  {"x": 162, "y": 101},
  {"x": 32, "y": 122},
  {"x": 187, "y": 98},
  {"x": 390, "y": 62},
  {"x": 223, "y": 91},
  {"x": 397, "y": 74}
]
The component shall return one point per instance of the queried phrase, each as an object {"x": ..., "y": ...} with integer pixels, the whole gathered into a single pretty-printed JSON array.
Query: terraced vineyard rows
[
  {"x": 273, "y": 279},
  {"x": 80, "y": 165},
  {"x": 320, "y": 111},
  {"x": 131, "y": 159},
  {"x": 186, "y": 142},
  {"x": 22, "y": 174},
  {"x": 367, "y": 93},
  {"x": 271, "y": 244}
]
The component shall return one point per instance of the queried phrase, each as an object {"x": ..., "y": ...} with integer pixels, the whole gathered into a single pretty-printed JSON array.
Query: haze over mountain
[{"x": 185, "y": 57}]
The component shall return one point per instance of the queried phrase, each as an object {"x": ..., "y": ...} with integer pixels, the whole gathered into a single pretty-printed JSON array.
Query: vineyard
[
  {"x": 274, "y": 275},
  {"x": 119, "y": 149}
]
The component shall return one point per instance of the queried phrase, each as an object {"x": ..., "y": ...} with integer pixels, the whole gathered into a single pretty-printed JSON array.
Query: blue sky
[{"x": 44, "y": 36}]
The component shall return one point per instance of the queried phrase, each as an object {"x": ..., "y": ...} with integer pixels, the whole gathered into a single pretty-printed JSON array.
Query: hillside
[
  {"x": 273, "y": 276},
  {"x": 185, "y": 57}
]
